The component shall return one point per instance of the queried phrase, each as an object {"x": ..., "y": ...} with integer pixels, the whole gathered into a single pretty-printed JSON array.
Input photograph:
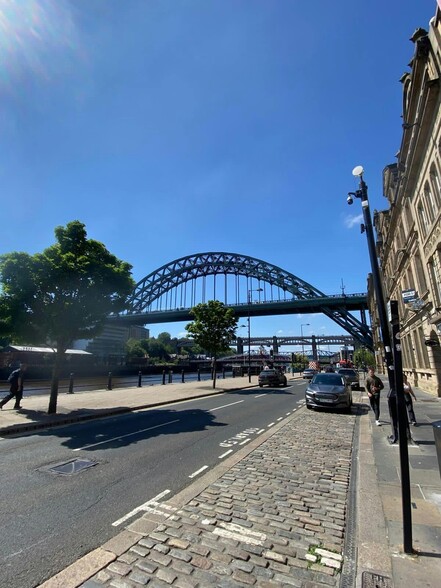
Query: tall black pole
[
  {"x": 406, "y": 499},
  {"x": 378, "y": 285}
]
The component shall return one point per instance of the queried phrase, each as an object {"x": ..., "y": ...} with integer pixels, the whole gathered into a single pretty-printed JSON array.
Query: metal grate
[
  {"x": 370, "y": 580},
  {"x": 72, "y": 467}
]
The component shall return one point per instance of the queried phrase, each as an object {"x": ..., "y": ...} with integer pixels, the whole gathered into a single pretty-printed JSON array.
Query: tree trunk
[
  {"x": 214, "y": 372},
  {"x": 59, "y": 359}
]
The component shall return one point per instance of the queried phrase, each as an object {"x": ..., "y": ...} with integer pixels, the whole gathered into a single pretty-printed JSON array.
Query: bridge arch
[{"x": 175, "y": 276}]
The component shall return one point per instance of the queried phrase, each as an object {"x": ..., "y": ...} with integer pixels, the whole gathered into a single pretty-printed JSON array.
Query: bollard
[
  {"x": 109, "y": 381},
  {"x": 71, "y": 384},
  {"x": 139, "y": 379},
  {"x": 170, "y": 376},
  {"x": 234, "y": 373},
  {"x": 199, "y": 375},
  {"x": 223, "y": 373},
  {"x": 163, "y": 377},
  {"x": 182, "y": 376}
]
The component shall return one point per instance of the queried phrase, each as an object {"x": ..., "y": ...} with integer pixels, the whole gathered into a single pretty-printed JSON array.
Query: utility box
[{"x": 437, "y": 435}]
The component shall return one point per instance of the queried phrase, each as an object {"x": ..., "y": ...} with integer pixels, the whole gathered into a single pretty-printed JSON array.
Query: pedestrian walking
[
  {"x": 374, "y": 386},
  {"x": 16, "y": 387},
  {"x": 408, "y": 395}
]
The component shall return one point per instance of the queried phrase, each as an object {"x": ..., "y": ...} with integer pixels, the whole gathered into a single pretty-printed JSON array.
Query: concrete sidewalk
[{"x": 314, "y": 501}]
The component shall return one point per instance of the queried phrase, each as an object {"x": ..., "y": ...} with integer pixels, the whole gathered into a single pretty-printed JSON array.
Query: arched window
[
  {"x": 436, "y": 184},
  {"x": 422, "y": 217},
  {"x": 429, "y": 202}
]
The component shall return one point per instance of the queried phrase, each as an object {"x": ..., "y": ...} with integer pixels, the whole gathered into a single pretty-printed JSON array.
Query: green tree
[
  {"x": 363, "y": 357},
  {"x": 134, "y": 348},
  {"x": 62, "y": 294},
  {"x": 213, "y": 329}
]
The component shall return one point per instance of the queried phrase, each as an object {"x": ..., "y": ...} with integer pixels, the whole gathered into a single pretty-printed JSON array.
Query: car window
[
  {"x": 347, "y": 372},
  {"x": 328, "y": 379}
]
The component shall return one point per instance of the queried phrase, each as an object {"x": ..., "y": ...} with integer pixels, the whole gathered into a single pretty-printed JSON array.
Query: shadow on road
[{"x": 124, "y": 429}]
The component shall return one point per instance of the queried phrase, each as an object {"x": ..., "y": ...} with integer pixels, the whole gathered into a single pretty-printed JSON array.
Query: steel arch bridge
[{"x": 169, "y": 293}]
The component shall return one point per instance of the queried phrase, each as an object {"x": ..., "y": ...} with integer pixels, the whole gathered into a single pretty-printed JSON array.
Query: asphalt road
[{"x": 50, "y": 520}]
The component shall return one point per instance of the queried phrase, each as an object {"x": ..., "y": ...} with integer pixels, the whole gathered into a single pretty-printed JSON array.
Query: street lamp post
[
  {"x": 301, "y": 332},
  {"x": 362, "y": 193},
  {"x": 249, "y": 331}
]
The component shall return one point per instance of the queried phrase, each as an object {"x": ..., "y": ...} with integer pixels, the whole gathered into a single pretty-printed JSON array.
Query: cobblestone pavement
[{"x": 275, "y": 518}]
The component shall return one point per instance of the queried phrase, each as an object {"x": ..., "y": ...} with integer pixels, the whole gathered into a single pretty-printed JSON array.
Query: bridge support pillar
[
  {"x": 275, "y": 345},
  {"x": 239, "y": 346},
  {"x": 314, "y": 348}
]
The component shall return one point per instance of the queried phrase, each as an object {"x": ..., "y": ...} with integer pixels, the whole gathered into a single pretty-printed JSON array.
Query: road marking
[
  {"x": 225, "y": 406},
  {"x": 260, "y": 431},
  {"x": 288, "y": 413},
  {"x": 271, "y": 424},
  {"x": 246, "y": 441},
  {"x": 127, "y": 435},
  {"x": 280, "y": 418},
  {"x": 225, "y": 454},
  {"x": 260, "y": 395},
  {"x": 239, "y": 533},
  {"x": 146, "y": 506},
  {"x": 194, "y": 474}
]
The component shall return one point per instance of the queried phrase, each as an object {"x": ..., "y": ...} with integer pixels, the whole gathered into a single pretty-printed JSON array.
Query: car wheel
[
  {"x": 260, "y": 385},
  {"x": 308, "y": 407}
]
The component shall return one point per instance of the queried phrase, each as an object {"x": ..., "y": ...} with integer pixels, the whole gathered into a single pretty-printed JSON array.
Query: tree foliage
[
  {"x": 213, "y": 329},
  {"x": 62, "y": 294},
  {"x": 363, "y": 357}
]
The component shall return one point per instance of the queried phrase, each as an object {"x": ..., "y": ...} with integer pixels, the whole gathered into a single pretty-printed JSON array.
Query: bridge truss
[{"x": 251, "y": 286}]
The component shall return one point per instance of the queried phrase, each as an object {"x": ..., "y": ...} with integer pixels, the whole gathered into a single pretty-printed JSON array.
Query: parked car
[
  {"x": 352, "y": 376},
  {"x": 309, "y": 373},
  {"x": 329, "y": 391},
  {"x": 272, "y": 378}
]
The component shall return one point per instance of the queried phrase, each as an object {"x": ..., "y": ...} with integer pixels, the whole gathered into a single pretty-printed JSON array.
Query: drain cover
[
  {"x": 74, "y": 466},
  {"x": 369, "y": 580}
]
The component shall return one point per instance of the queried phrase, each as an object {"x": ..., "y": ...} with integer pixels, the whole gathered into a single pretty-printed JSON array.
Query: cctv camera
[{"x": 349, "y": 199}]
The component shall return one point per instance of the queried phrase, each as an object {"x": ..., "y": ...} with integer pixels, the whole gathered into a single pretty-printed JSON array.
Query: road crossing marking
[{"x": 143, "y": 507}]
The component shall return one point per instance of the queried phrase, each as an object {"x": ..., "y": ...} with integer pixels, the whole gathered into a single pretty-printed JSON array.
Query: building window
[
  {"x": 419, "y": 270},
  {"x": 430, "y": 203},
  {"x": 422, "y": 217},
  {"x": 436, "y": 183},
  {"x": 435, "y": 277}
]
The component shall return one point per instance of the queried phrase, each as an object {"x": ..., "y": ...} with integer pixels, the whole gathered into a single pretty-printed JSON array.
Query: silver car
[
  {"x": 352, "y": 376},
  {"x": 329, "y": 391}
]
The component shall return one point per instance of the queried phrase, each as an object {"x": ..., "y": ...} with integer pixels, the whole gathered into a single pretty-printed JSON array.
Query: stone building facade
[{"x": 409, "y": 231}]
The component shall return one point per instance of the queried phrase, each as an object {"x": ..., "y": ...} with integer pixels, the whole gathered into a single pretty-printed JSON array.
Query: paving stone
[
  {"x": 119, "y": 568},
  {"x": 167, "y": 576},
  {"x": 147, "y": 566},
  {"x": 243, "y": 577},
  {"x": 140, "y": 577}
]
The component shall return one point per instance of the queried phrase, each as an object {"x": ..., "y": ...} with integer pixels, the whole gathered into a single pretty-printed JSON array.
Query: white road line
[
  {"x": 145, "y": 506},
  {"x": 127, "y": 435},
  {"x": 288, "y": 413},
  {"x": 246, "y": 441},
  {"x": 271, "y": 424},
  {"x": 260, "y": 395},
  {"x": 260, "y": 432},
  {"x": 194, "y": 474},
  {"x": 225, "y": 406},
  {"x": 280, "y": 419},
  {"x": 225, "y": 454}
]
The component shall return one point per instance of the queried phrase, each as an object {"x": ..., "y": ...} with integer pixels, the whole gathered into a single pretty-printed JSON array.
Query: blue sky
[{"x": 173, "y": 127}]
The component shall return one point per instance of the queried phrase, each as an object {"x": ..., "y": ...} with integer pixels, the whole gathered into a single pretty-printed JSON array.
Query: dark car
[
  {"x": 352, "y": 376},
  {"x": 272, "y": 378},
  {"x": 329, "y": 391},
  {"x": 309, "y": 373}
]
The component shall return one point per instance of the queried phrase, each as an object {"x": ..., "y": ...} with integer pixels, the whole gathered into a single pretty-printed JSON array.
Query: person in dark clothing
[
  {"x": 374, "y": 386},
  {"x": 408, "y": 394},
  {"x": 16, "y": 387}
]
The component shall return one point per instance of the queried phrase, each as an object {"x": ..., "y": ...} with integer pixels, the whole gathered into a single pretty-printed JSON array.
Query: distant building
[
  {"x": 409, "y": 231},
  {"x": 110, "y": 345}
]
